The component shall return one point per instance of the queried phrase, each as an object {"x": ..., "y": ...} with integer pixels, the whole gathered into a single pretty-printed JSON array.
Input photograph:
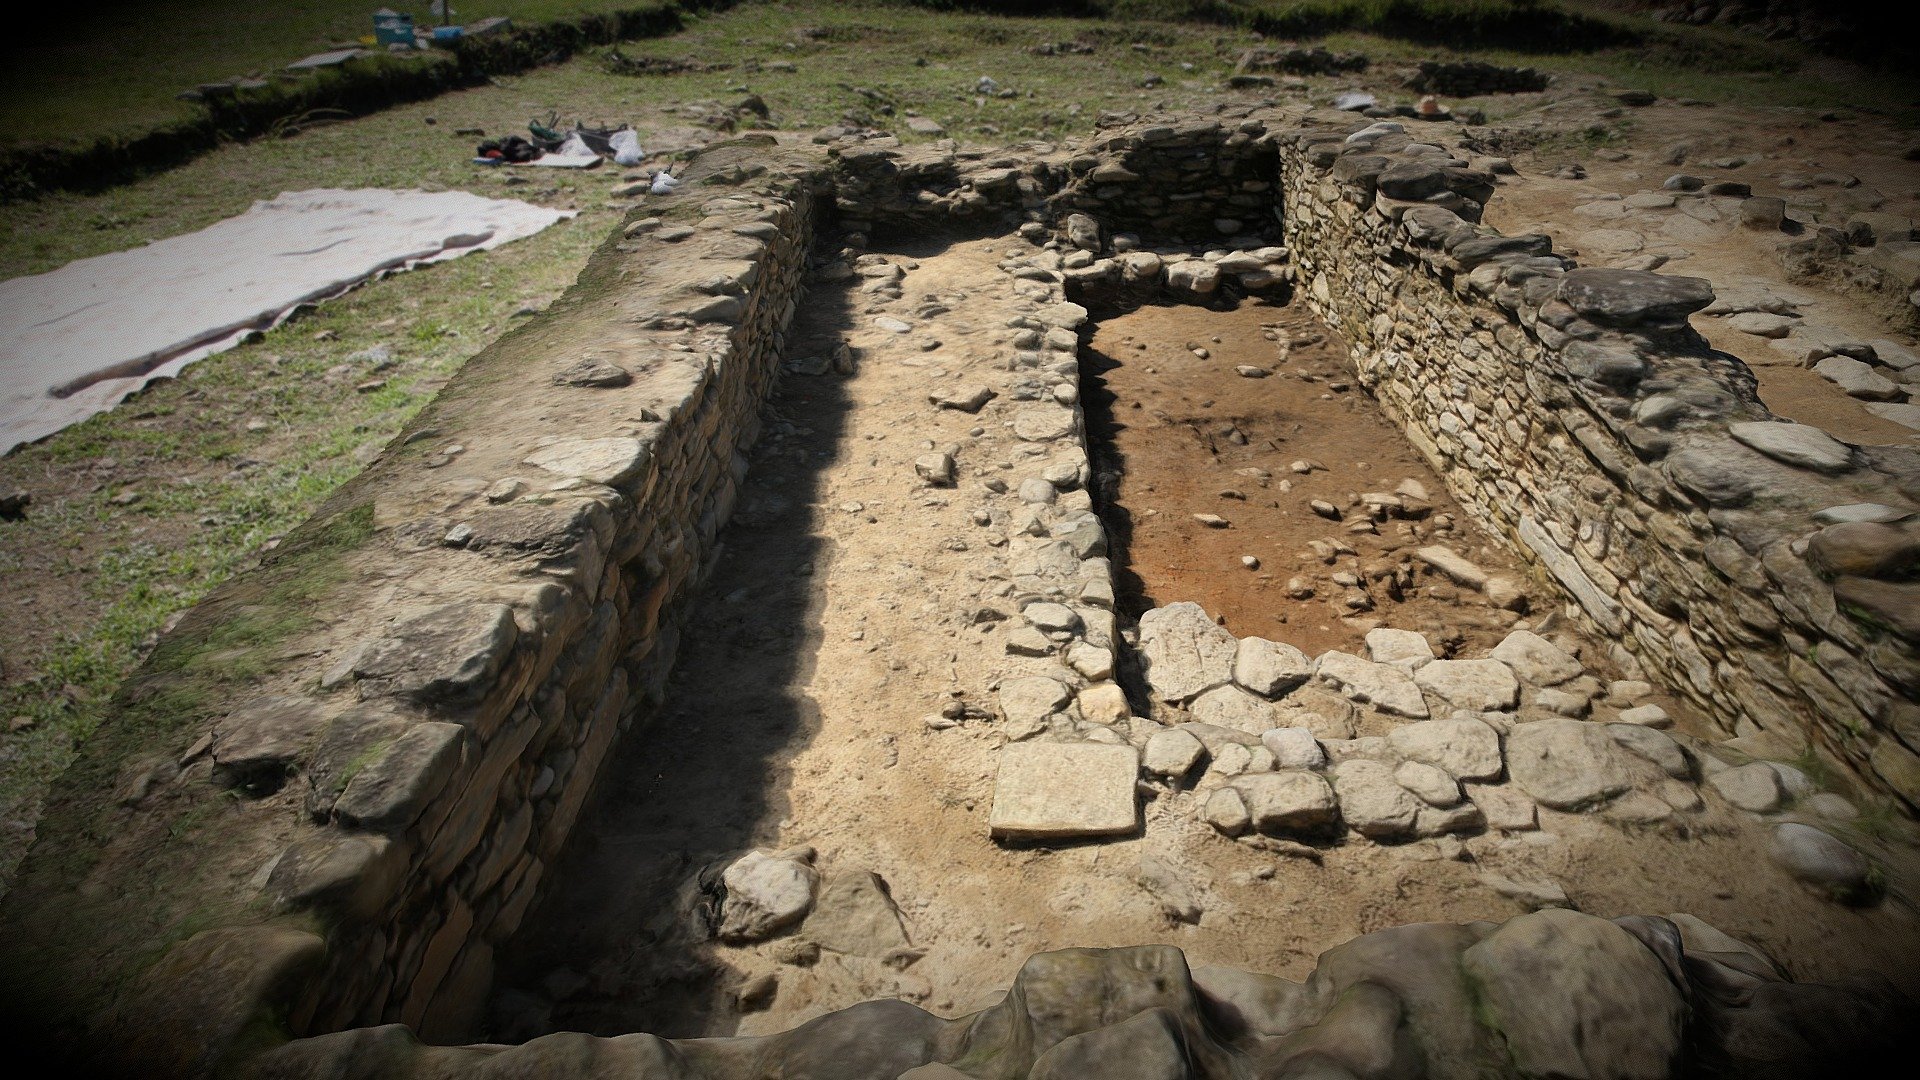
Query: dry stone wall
[
  {"x": 1759, "y": 566},
  {"x": 409, "y": 770},
  {"x": 1553, "y": 993},
  {"x": 457, "y": 779}
]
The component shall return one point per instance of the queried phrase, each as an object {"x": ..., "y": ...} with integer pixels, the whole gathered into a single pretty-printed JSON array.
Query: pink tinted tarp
[{"x": 75, "y": 341}]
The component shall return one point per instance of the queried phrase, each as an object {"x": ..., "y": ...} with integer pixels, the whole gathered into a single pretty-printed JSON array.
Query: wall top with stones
[
  {"x": 274, "y": 771},
  {"x": 1758, "y": 508}
]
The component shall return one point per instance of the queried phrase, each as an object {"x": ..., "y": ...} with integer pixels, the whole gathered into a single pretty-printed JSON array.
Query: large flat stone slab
[
  {"x": 1060, "y": 791},
  {"x": 1536, "y": 660},
  {"x": 1796, "y": 444},
  {"x": 1463, "y": 746},
  {"x": 1567, "y": 764},
  {"x": 1231, "y": 707},
  {"x": 1385, "y": 688},
  {"x": 1185, "y": 651},
  {"x": 1474, "y": 685}
]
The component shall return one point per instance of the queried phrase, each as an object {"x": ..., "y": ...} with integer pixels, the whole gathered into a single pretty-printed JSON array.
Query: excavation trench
[
  {"x": 1215, "y": 434},
  {"x": 1070, "y": 589},
  {"x": 856, "y": 602}
]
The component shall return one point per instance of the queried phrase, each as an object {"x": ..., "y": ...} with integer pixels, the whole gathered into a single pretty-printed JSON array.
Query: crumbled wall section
[
  {"x": 1472, "y": 78},
  {"x": 1742, "y": 557},
  {"x": 1552, "y": 993}
]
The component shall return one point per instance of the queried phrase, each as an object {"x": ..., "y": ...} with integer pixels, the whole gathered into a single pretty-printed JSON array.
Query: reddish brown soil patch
[{"x": 1185, "y": 430}]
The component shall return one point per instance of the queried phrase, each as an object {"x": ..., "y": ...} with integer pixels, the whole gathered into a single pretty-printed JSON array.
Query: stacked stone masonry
[
  {"x": 1553, "y": 993},
  {"x": 518, "y": 608},
  {"x": 1755, "y": 564},
  {"x": 479, "y": 727}
]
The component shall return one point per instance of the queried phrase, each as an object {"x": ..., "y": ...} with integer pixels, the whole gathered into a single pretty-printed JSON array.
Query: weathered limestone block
[
  {"x": 1065, "y": 790},
  {"x": 1185, "y": 652}
]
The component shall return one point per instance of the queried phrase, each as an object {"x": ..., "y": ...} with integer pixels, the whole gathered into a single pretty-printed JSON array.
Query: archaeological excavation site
[{"x": 1216, "y": 596}]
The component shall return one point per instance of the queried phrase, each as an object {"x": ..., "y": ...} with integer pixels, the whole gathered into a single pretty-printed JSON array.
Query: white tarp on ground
[{"x": 75, "y": 341}]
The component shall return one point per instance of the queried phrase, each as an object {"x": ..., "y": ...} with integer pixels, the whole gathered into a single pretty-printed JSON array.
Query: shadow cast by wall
[{"x": 621, "y": 942}]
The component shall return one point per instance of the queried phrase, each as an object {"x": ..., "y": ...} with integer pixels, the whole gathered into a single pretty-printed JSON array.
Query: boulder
[
  {"x": 1796, "y": 444},
  {"x": 1226, "y": 811},
  {"x": 1432, "y": 784},
  {"x": 1083, "y": 232},
  {"x": 1171, "y": 753},
  {"x": 1372, "y": 801},
  {"x": 1655, "y": 746},
  {"x": 1763, "y": 324},
  {"x": 1754, "y": 787},
  {"x": 1294, "y": 748},
  {"x": 449, "y": 654},
  {"x": 936, "y": 469},
  {"x": 1577, "y": 997},
  {"x": 1505, "y": 808},
  {"x": 1441, "y": 820},
  {"x": 1818, "y": 858},
  {"x": 1029, "y": 701},
  {"x": 765, "y": 894},
  {"x": 1403, "y": 649},
  {"x": 1632, "y": 297},
  {"x": 1386, "y": 688},
  {"x": 1858, "y": 379},
  {"x": 855, "y": 914},
  {"x": 1194, "y": 276},
  {"x": 1648, "y": 715},
  {"x": 1763, "y": 212},
  {"x": 1865, "y": 549},
  {"x": 1231, "y": 707},
  {"x": 1287, "y": 802},
  {"x": 1269, "y": 668},
  {"x": 1043, "y": 423},
  {"x": 1457, "y": 567},
  {"x": 1536, "y": 660}
]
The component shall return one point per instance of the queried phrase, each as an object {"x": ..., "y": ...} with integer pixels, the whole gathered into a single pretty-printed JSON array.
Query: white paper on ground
[{"x": 75, "y": 341}]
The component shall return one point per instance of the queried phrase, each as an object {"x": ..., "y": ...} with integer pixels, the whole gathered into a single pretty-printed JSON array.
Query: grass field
[{"x": 114, "y": 68}]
